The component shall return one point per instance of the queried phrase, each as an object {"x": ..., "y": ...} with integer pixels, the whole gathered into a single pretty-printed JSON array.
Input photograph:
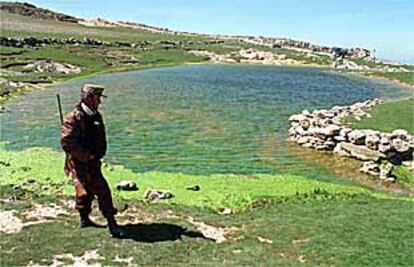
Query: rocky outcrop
[
  {"x": 322, "y": 130},
  {"x": 254, "y": 56},
  {"x": 52, "y": 67},
  {"x": 216, "y": 58},
  {"x": 344, "y": 64},
  {"x": 28, "y": 10},
  {"x": 247, "y": 56}
]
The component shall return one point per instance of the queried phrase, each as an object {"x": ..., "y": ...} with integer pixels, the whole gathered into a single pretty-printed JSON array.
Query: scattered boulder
[
  {"x": 226, "y": 211},
  {"x": 156, "y": 194},
  {"x": 126, "y": 186}
]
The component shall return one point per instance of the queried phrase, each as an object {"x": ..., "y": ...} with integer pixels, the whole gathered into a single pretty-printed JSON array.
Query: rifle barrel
[{"x": 60, "y": 108}]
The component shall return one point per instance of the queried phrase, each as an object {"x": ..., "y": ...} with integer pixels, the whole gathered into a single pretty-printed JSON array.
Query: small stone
[
  {"x": 154, "y": 194},
  {"x": 390, "y": 179},
  {"x": 31, "y": 180},
  {"x": 126, "y": 186},
  {"x": 371, "y": 167},
  {"x": 305, "y": 124},
  {"x": 194, "y": 188},
  {"x": 17, "y": 187},
  {"x": 226, "y": 211},
  {"x": 25, "y": 169},
  {"x": 386, "y": 170}
]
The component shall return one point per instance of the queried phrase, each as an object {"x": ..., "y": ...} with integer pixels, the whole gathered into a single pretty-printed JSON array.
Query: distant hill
[{"x": 32, "y": 11}]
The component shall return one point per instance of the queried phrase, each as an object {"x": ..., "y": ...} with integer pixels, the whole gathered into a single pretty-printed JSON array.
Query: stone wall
[
  {"x": 33, "y": 42},
  {"x": 322, "y": 130}
]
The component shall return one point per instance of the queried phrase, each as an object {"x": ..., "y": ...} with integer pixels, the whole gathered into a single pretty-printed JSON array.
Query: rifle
[{"x": 80, "y": 190}]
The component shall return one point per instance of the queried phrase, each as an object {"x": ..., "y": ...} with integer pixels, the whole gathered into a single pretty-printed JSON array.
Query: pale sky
[{"x": 383, "y": 25}]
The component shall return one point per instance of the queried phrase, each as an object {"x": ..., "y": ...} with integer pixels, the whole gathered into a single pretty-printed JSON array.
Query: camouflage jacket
[{"x": 82, "y": 135}]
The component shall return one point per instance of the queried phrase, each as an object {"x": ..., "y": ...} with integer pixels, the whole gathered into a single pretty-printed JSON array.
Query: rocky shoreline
[{"x": 378, "y": 151}]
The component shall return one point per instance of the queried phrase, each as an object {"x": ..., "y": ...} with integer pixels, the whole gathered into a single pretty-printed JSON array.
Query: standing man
[{"x": 83, "y": 138}]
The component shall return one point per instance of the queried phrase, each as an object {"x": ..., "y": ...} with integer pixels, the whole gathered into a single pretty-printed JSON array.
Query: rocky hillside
[{"x": 32, "y": 11}]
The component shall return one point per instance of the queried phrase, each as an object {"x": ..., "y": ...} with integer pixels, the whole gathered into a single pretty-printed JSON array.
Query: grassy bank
[
  {"x": 388, "y": 117},
  {"x": 402, "y": 77}
]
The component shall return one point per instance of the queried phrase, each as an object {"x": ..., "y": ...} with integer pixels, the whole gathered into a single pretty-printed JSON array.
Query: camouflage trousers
[{"x": 95, "y": 185}]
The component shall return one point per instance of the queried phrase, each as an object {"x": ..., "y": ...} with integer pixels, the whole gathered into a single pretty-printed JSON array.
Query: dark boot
[
  {"x": 114, "y": 229},
  {"x": 85, "y": 221}
]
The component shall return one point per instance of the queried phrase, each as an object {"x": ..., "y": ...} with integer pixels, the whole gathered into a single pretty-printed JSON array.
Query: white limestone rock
[
  {"x": 357, "y": 137},
  {"x": 297, "y": 117},
  {"x": 338, "y": 150},
  {"x": 370, "y": 167},
  {"x": 157, "y": 194},
  {"x": 400, "y": 145},
  {"x": 362, "y": 153},
  {"x": 400, "y": 133}
]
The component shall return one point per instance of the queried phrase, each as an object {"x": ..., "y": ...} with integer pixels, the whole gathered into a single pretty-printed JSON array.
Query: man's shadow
[{"x": 157, "y": 232}]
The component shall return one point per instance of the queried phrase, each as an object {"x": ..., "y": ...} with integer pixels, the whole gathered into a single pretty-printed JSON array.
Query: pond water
[{"x": 199, "y": 119}]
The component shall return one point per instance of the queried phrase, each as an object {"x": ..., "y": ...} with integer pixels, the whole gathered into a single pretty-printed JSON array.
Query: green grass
[
  {"x": 369, "y": 63},
  {"x": 14, "y": 25},
  {"x": 170, "y": 56},
  {"x": 237, "y": 192},
  {"x": 316, "y": 223},
  {"x": 384, "y": 117},
  {"x": 405, "y": 177},
  {"x": 403, "y": 77},
  {"x": 357, "y": 232}
]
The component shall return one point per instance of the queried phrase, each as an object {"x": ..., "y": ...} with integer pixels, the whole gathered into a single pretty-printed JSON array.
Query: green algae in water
[{"x": 200, "y": 119}]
